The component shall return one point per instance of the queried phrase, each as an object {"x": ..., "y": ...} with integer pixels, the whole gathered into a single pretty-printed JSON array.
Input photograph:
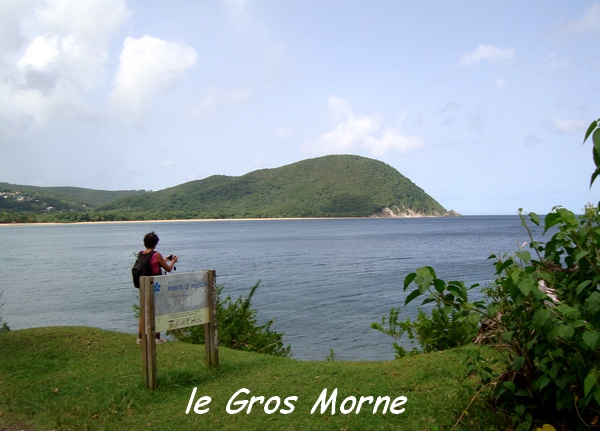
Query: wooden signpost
[{"x": 177, "y": 301}]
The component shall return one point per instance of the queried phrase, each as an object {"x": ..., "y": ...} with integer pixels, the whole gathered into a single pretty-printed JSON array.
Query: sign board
[
  {"x": 180, "y": 300},
  {"x": 177, "y": 301}
]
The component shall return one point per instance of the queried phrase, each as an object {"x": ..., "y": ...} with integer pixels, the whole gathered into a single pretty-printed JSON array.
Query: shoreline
[
  {"x": 175, "y": 221},
  {"x": 212, "y": 220}
]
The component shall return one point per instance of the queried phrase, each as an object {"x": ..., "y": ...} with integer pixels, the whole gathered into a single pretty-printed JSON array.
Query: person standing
[{"x": 157, "y": 264}]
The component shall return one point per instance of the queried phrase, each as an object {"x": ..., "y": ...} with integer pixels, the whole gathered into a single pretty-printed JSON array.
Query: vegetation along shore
[{"x": 330, "y": 186}]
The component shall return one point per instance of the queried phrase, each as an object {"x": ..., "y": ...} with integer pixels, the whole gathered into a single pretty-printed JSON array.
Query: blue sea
[{"x": 322, "y": 281}]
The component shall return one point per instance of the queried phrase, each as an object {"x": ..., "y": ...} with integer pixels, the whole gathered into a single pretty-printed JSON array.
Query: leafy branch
[
  {"x": 544, "y": 313},
  {"x": 594, "y": 131}
]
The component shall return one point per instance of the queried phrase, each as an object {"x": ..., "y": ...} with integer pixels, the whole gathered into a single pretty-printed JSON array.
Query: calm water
[{"x": 323, "y": 281}]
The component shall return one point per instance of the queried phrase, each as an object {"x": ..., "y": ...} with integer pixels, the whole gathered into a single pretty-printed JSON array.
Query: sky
[{"x": 484, "y": 105}]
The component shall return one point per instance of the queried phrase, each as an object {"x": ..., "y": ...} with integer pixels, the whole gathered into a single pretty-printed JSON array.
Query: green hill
[
  {"x": 329, "y": 186},
  {"x": 32, "y": 199}
]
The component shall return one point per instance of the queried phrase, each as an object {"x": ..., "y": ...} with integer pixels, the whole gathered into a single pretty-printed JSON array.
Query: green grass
[{"x": 76, "y": 378}]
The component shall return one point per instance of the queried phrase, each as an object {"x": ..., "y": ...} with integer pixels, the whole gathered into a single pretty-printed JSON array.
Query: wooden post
[
  {"x": 211, "y": 345},
  {"x": 149, "y": 332},
  {"x": 147, "y": 315}
]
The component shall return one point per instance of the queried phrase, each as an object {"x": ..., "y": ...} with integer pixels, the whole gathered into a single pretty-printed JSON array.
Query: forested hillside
[
  {"x": 27, "y": 203},
  {"x": 329, "y": 186}
]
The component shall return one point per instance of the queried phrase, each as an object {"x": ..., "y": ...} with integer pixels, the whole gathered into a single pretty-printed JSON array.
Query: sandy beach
[{"x": 177, "y": 221}]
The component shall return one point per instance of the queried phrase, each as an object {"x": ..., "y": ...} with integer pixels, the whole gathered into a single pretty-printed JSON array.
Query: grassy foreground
[{"x": 77, "y": 378}]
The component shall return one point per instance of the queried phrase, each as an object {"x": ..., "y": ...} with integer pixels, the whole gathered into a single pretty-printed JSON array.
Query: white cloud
[
  {"x": 216, "y": 99},
  {"x": 42, "y": 52},
  {"x": 486, "y": 52},
  {"x": 92, "y": 20},
  {"x": 284, "y": 133},
  {"x": 553, "y": 62},
  {"x": 12, "y": 15},
  {"x": 568, "y": 125},
  {"x": 53, "y": 55},
  {"x": 500, "y": 83},
  {"x": 353, "y": 133},
  {"x": 167, "y": 163},
  {"x": 238, "y": 10},
  {"x": 391, "y": 140},
  {"x": 339, "y": 108},
  {"x": 588, "y": 23},
  {"x": 147, "y": 66},
  {"x": 80, "y": 37},
  {"x": 532, "y": 140},
  {"x": 449, "y": 113}
]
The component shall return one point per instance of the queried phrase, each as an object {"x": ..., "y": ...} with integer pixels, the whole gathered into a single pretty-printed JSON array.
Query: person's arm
[{"x": 164, "y": 264}]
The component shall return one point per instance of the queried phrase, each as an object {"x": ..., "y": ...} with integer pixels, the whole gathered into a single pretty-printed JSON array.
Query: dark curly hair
[{"x": 150, "y": 240}]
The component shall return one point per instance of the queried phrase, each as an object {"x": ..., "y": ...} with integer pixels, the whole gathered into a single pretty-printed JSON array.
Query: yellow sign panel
[{"x": 180, "y": 300}]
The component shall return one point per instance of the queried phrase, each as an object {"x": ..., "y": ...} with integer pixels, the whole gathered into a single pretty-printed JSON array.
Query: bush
[
  {"x": 237, "y": 328},
  {"x": 544, "y": 308},
  {"x": 546, "y": 312},
  {"x": 445, "y": 329}
]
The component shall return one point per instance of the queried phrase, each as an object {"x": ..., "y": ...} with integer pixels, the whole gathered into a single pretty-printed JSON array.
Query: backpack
[{"x": 141, "y": 267}]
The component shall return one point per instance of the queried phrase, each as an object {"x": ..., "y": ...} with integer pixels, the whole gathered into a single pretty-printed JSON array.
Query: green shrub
[
  {"x": 237, "y": 328},
  {"x": 547, "y": 315},
  {"x": 447, "y": 328},
  {"x": 544, "y": 307}
]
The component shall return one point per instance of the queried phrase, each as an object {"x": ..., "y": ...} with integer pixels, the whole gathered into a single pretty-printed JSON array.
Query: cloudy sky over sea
[{"x": 484, "y": 105}]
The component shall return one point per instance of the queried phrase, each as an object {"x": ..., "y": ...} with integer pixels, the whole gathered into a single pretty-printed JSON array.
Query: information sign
[{"x": 180, "y": 300}]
